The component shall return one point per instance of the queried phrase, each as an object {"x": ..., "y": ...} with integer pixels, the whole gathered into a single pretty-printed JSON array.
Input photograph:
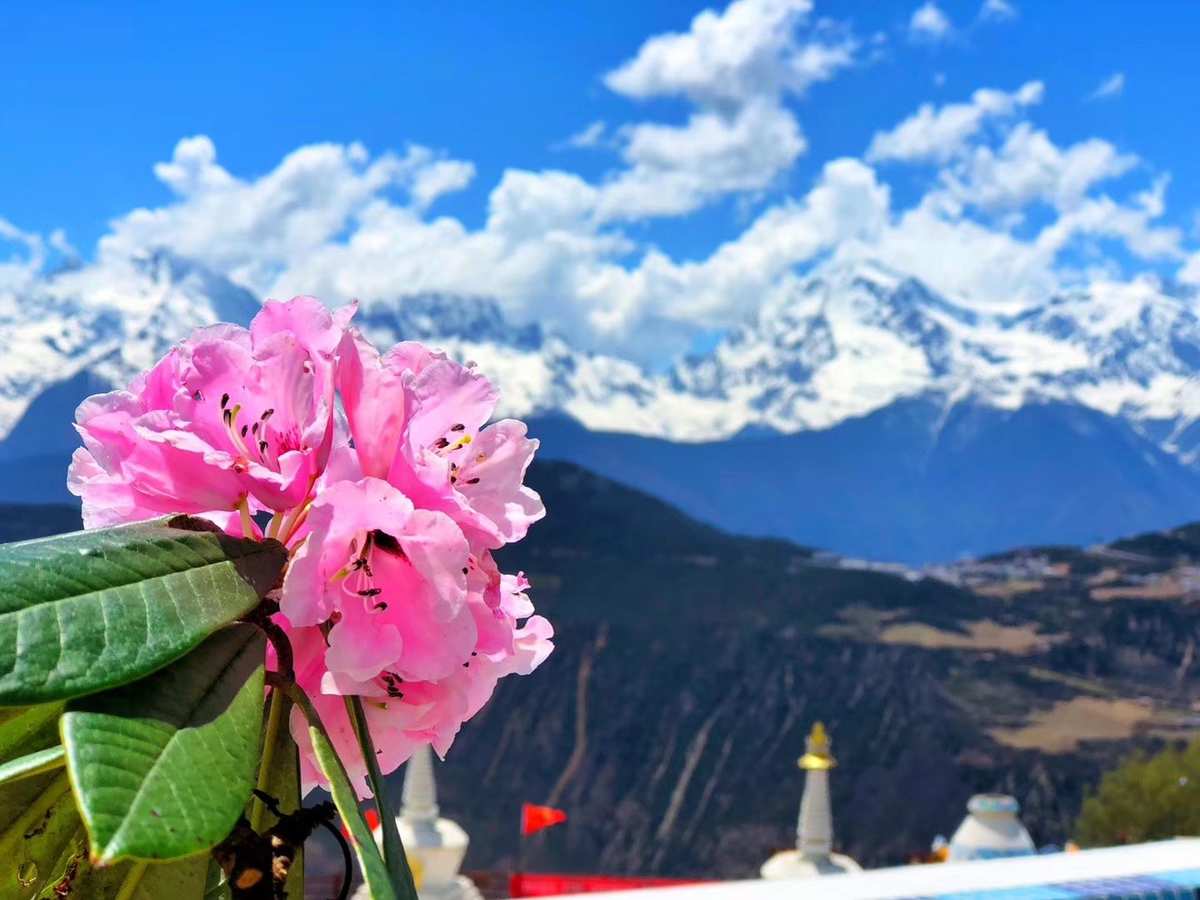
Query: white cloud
[
  {"x": 1189, "y": 272},
  {"x": 728, "y": 58},
  {"x": 673, "y": 170},
  {"x": 929, "y": 23},
  {"x": 20, "y": 267},
  {"x": 987, "y": 266},
  {"x": 1110, "y": 87},
  {"x": 1132, "y": 224},
  {"x": 847, "y": 203},
  {"x": 542, "y": 255},
  {"x": 530, "y": 204},
  {"x": 58, "y": 241},
  {"x": 983, "y": 266},
  {"x": 589, "y": 136},
  {"x": 940, "y": 133},
  {"x": 193, "y": 169},
  {"x": 330, "y": 220},
  {"x": 962, "y": 236},
  {"x": 1005, "y": 213},
  {"x": 1029, "y": 167},
  {"x": 736, "y": 67},
  {"x": 997, "y": 11},
  {"x": 254, "y": 230},
  {"x": 438, "y": 178}
]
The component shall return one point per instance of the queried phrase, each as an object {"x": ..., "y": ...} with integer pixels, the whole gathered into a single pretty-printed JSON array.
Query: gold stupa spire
[{"x": 818, "y": 755}]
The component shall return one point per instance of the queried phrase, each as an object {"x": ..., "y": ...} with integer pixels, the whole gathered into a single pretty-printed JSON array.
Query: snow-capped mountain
[
  {"x": 109, "y": 322},
  {"x": 856, "y": 394},
  {"x": 852, "y": 339},
  {"x": 845, "y": 341}
]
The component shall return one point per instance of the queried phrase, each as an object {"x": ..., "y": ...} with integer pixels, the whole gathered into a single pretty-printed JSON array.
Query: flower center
[
  {"x": 256, "y": 440},
  {"x": 357, "y": 575}
]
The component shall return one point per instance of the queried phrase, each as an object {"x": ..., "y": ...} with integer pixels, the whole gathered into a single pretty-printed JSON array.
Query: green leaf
[
  {"x": 38, "y": 822},
  {"x": 29, "y": 728},
  {"x": 32, "y": 764},
  {"x": 374, "y": 870},
  {"x": 37, "y": 813},
  {"x": 138, "y": 880},
  {"x": 162, "y": 768},
  {"x": 72, "y": 874},
  {"x": 93, "y": 610},
  {"x": 393, "y": 850}
]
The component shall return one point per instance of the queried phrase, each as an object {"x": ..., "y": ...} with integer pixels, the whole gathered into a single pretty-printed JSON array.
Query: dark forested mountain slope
[{"x": 691, "y": 664}]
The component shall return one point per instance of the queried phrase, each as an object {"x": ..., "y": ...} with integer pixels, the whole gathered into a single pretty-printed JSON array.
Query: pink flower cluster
[{"x": 390, "y": 511}]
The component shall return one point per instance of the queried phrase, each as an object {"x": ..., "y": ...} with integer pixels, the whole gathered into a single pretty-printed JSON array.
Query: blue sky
[{"x": 95, "y": 96}]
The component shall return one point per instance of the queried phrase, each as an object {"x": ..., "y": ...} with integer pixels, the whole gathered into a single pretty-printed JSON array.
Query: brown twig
[{"x": 260, "y": 616}]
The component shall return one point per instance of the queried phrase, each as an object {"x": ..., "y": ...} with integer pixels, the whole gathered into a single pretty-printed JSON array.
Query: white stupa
[
  {"x": 991, "y": 830},
  {"x": 435, "y": 846},
  {"x": 814, "y": 834}
]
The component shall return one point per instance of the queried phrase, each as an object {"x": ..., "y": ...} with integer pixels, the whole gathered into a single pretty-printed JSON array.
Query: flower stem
[
  {"x": 370, "y": 860},
  {"x": 393, "y": 850},
  {"x": 274, "y": 718}
]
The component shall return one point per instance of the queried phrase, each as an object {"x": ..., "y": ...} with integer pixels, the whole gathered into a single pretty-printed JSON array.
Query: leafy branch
[{"x": 134, "y": 741}]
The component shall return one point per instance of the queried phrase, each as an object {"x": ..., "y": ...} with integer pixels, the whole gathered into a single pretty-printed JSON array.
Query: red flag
[
  {"x": 370, "y": 815},
  {"x": 535, "y": 818}
]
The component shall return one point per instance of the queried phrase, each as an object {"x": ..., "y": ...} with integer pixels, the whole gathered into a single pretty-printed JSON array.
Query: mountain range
[{"x": 857, "y": 410}]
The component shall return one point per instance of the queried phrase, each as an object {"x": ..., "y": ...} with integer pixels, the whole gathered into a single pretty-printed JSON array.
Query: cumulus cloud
[
  {"x": 726, "y": 59},
  {"x": 25, "y": 259},
  {"x": 439, "y": 177},
  {"x": 736, "y": 67},
  {"x": 1001, "y": 220},
  {"x": 970, "y": 235},
  {"x": 983, "y": 266},
  {"x": 847, "y": 203},
  {"x": 254, "y": 230},
  {"x": 1133, "y": 224},
  {"x": 543, "y": 255},
  {"x": 588, "y": 136},
  {"x": 1189, "y": 272},
  {"x": 328, "y": 220},
  {"x": 673, "y": 170},
  {"x": 929, "y": 23},
  {"x": 1030, "y": 167},
  {"x": 940, "y": 133},
  {"x": 997, "y": 11},
  {"x": 1110, "y": 87}
]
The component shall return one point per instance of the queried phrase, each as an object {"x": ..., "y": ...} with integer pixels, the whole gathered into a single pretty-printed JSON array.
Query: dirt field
[{"x": 1061, "y": 727}]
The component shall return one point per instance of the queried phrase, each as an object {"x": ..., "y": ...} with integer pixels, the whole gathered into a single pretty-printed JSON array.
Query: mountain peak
[{"x": 848, "y": 338}]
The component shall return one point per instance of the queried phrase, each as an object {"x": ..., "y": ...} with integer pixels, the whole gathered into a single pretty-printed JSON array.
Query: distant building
[
  {"x": 991, "y": 830},
  {"x": 435, "y": 846},
  {"x": 814, "y": 833}
]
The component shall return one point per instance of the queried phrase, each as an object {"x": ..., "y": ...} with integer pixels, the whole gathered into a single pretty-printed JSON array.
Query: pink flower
[
  {"x": 391, "y": 578},
  {"x": 417, "y": 419},
  {"x": 403, "y": 714},
  {"x": 227, "y": 416},
  {"x": 411, "y": 620},
  {"x": 391, "y": 593}
]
